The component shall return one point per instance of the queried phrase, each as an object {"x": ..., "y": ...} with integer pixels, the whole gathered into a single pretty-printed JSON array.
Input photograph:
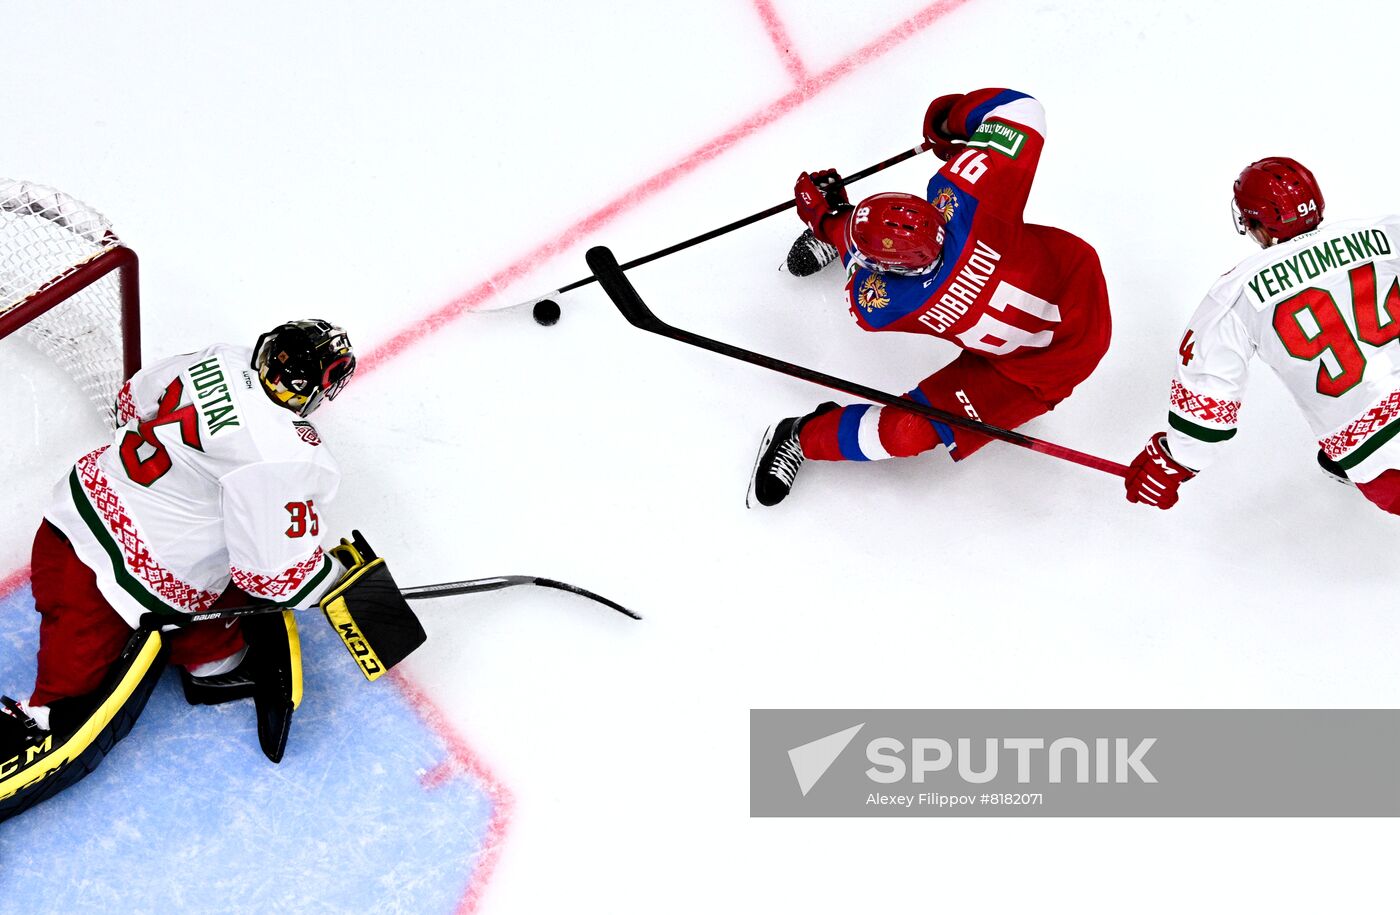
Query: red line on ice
[
  {"x": 463, "y": 760},
  {"x": 14, "y": 581},
  {"x": 639, "y": 193},
  {"x": 777, "y": 33}
]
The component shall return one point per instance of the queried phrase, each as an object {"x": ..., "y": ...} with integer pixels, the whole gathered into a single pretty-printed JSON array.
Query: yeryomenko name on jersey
[{"x": 1299, "y": 269}]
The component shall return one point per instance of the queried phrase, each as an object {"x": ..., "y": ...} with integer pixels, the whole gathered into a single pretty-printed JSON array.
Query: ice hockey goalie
[{"x": 210, "y": 494}]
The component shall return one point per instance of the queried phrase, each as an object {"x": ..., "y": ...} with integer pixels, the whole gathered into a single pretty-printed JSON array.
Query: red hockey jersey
[{"x": 1030, "y": 298}]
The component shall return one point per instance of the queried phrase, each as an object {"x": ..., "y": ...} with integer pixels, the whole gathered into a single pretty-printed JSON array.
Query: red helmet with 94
[
  {"x": 1279, "y": 194},
  {"x": 896, "y": 233}
]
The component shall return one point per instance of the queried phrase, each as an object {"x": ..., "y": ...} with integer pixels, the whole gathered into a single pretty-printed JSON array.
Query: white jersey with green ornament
[
  {"x": 1323, "y": 311},
  {"x": 207, "y": 483}
]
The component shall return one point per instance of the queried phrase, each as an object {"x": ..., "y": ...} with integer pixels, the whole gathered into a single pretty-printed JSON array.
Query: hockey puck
[{"x": 546, "y": 312}]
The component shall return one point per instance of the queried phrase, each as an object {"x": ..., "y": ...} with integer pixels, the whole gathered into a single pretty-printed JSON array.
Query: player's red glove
[
  {"x": 936, "y": 124},
  {"x": 819, "y": 194},
  {"x": 1154, "y": 476}
]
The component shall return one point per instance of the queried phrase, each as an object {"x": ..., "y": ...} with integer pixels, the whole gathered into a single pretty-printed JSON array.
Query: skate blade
[
  {"x": 749, "y": 499},
  {"x": 1336, "y": 479}
]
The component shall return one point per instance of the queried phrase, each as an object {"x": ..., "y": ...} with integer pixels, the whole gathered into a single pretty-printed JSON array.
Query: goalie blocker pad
[
  {"x": 84, "y": 729},
  {"x": 372, "y": 618}
]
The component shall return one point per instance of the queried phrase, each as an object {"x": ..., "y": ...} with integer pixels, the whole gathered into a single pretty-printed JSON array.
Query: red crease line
[
  {"x": 463, "y": 759},
  {"x": 14, "y": 581}
]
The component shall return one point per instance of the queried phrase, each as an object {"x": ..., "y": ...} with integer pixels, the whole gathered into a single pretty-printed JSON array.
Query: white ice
[{"x": 370, "y": 162}]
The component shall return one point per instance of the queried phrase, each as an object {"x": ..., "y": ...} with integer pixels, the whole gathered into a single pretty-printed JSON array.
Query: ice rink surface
[{"x": 399, "y": 169}]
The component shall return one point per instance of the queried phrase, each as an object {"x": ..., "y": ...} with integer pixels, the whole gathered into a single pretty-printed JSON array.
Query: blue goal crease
[{"x": 186, "y": 814}]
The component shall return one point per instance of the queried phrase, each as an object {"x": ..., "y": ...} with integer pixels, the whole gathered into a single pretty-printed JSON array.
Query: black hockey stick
[
  {"x": 725, "y": 229},
  {"x": 422, "y": 592},
  {"x": 615, "y": 283}
]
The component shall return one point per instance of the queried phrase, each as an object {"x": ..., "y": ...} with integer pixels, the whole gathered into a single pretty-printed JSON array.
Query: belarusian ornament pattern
[
  {"x": 276, "y": 587},
  {"x": 1209, "y": 409},
  {"x": 1363, "y": 427},
  {"x": 126, "y": 404},
  {"x": 138, "y": 559}
]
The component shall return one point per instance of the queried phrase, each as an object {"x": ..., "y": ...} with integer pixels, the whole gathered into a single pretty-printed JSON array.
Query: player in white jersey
[
  {"x": 1320, "y": 306},
  {"x": 209, "y": 496}
]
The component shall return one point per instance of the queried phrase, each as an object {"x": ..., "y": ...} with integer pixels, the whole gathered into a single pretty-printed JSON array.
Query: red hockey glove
[
  {"x": 936, "y": 126},
  {"x": 819, "y": 194},
  {"x": 1154, "y": 476}
]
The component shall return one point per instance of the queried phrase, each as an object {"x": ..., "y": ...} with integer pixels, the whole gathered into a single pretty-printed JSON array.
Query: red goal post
[{"x": 70, "y": 286}]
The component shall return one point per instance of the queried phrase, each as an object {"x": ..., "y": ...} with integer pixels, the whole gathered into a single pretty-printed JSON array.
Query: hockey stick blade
[
  {"x": 629, "y": 302},
  {"x": 509, "y": 581},
  {"x": 584, "y": 592},
  {"x": 618, "y": 288}
]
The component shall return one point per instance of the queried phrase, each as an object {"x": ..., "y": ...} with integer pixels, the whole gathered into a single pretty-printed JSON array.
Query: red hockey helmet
[
  {"x": 1281, "y": 195},
  {"x": 895, "y": 233}
]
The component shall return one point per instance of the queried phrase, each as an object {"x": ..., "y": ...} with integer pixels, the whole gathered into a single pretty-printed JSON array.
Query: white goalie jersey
[
  {"x": 1323, "y": 311},
  {"x": 208, "y": 482}
]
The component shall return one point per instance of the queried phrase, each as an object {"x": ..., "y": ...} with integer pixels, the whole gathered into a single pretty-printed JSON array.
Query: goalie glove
[{"x": 367, "y": 611}]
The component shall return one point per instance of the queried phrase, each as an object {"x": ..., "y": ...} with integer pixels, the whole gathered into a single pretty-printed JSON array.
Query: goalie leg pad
[
  {"x": 82, "y": 729},
  {"x": 270, "y": 673},
  {"x": 372, "y": 618},
  {"x": 274, "y": 638}
]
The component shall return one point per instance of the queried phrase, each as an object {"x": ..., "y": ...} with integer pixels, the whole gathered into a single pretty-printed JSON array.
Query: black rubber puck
[{"x": 546, "y": 312}]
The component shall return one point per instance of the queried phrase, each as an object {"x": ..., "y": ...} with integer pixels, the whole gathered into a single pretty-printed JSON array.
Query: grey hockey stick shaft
[
  {"x": 421, "y": 592},
  {"x": 629, "y": 302}
]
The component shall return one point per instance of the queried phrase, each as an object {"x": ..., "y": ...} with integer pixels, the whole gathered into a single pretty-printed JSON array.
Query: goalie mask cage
[{"x": 69, "y": 286}]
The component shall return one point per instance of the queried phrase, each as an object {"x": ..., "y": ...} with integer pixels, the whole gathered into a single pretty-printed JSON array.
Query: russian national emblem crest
[
  {"x": 873, "y": 294},
  {"x": 946, "y": 202}
]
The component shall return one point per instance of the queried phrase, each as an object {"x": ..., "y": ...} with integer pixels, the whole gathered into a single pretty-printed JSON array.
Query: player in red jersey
[{"x": 1026, "y": 303}]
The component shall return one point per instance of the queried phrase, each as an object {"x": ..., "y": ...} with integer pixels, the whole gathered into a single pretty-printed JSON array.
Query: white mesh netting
[{"x": 44, "y": 236}]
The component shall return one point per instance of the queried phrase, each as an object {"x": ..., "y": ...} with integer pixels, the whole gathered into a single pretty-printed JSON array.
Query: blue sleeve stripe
[
  {"x": 945, "y": 432},
  {"x": 979, "y": 114},
  {"x": 848, "y": 432}
]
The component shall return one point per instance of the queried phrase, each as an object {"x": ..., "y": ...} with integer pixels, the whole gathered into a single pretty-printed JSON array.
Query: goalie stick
[
  {"x": 421, "y": 592},
  {"x": 623, "y": 295},
  {"x": 774, "y": 210}
]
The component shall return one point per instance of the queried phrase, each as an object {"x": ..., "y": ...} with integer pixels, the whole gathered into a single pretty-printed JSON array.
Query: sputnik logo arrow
[{"x": 811, "y": 760}]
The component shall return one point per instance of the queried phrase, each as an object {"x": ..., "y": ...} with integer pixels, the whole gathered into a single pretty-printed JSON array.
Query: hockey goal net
[{"x": 69, "y": 286}]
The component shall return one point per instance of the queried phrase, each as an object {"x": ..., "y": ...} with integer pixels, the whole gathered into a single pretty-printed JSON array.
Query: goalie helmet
[
  {"x": 896, "y": 233},
  {"x": 303, "y": 362},
  {"x": 1279, "y": 194}
]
